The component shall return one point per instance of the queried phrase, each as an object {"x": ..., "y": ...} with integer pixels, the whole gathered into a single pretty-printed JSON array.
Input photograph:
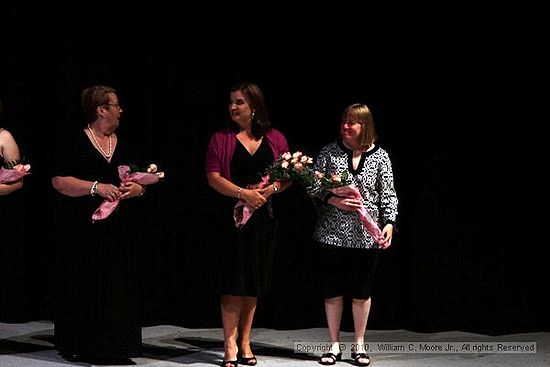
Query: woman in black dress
[
  {"x": 236, "y": 160},
  {"x": 96, "y": 314}
]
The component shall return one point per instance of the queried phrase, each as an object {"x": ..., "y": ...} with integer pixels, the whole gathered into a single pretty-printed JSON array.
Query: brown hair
[
  {"x": 93, "y": 97},
  {"x": 255, "y": 98},
  {"x": 361, "y": 113}
]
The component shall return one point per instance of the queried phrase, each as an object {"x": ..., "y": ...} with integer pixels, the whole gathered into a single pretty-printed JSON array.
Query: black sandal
[
  {"x": 248, "y": 361},
  {"x": 357, "y": 356},
  {"x": 332, "y": 356},
  {"x": 230, "y": 363}
]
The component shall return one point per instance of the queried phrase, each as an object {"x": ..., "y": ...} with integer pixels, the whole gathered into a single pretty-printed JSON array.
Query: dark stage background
[{"x": 451, "y": 89}]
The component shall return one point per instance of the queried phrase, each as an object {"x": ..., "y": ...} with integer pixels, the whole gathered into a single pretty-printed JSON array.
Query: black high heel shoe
[
  {"x": 248, "y": 361},
  {"x": 333, "y": 358}
]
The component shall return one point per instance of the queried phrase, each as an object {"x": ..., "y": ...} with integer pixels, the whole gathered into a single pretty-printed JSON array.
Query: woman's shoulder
[
  {"x": 330, "y": 148},
  {"x": 5, "y": 133},
  {"x": 5, "y": 136},
  {"x": 222, "y": 136},
  {"x": 381, "y": 154},
  {"x": 223, "y": 133},
  {"x": 275, "y": 135},
  {"x": 274, "y": 132},
  {"x": 378, "y": 149}
]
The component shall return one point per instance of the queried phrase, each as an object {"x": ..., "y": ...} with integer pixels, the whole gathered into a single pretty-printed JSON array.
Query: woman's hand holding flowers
[
  {"x": 108, "y": 191},
  {"x": 254, "y": 197},
  {"x": 347, "y": 204},
  {"x": 266, "y": 192},
  {"x": 347, "y": 197},
  {"x": 287, "y": 166},
  {"x": 130, "y": 189},
  {"x": 12, "y": 172},
  {"x": 133, "y": 179}
]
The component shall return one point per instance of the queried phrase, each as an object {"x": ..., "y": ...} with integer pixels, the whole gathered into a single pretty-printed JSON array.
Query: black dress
[
  {"x": 14, "y": 287},
  {"x": 247, "y": 253},
  {"x": 97, "y": 311}
]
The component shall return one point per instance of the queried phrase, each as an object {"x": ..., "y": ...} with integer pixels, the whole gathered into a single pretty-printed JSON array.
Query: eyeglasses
[{"x": 114, "y": 105}]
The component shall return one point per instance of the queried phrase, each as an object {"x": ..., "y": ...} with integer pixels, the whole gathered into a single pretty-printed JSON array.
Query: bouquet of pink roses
[
  {"x": 126, "y": 173},
  {"x": 13, "y": 171},
  {"x": 294, "y": 166},
  {"x": 341, "y": 186}
]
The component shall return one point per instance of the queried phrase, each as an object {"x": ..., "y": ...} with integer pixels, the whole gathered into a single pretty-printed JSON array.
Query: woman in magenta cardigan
[{"x": 236, "y": 160}]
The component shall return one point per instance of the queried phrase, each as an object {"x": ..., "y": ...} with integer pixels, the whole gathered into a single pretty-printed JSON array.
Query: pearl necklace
[{"x": 105, "y": 154}]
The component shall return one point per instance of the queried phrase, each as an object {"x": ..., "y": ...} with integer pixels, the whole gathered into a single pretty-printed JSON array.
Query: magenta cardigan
[{"x": 222, "y": 146}]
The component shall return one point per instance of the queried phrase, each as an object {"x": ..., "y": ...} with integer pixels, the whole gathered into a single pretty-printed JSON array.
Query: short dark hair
[{"x": 93, "y": 97}]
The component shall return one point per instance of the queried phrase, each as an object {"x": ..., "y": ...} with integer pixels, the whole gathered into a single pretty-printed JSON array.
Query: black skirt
[
  {"x": 245, "y": 267},
  {"x": 346, "y": 271}
]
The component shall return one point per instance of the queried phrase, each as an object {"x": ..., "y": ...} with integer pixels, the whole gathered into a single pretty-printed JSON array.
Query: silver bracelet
[
  {"x": 239, "y": 193},
  {"x": 93, "y": 189}
]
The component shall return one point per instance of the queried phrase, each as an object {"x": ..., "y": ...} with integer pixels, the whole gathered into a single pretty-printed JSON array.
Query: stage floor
[{"x": 31, "y": 345}]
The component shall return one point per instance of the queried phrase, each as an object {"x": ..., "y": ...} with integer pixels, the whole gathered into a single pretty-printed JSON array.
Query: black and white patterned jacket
[{"x": 374, "y": 180}]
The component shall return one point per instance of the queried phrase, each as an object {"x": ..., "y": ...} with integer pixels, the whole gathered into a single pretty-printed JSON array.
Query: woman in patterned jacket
[{"x": 349, "y": 254}]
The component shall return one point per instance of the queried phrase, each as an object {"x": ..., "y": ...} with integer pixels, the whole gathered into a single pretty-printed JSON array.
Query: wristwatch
[{"x": 275, "y": 188}]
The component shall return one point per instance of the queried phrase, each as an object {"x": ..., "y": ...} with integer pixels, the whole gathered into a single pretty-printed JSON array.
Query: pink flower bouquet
[
  {"x": 341, "y": 186},
  {"x": 126, "y": 173},
  {"x": 17, "y": 172},
  {"x": 295, "y": 166},
  {"x": 288, "y": 166}
]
